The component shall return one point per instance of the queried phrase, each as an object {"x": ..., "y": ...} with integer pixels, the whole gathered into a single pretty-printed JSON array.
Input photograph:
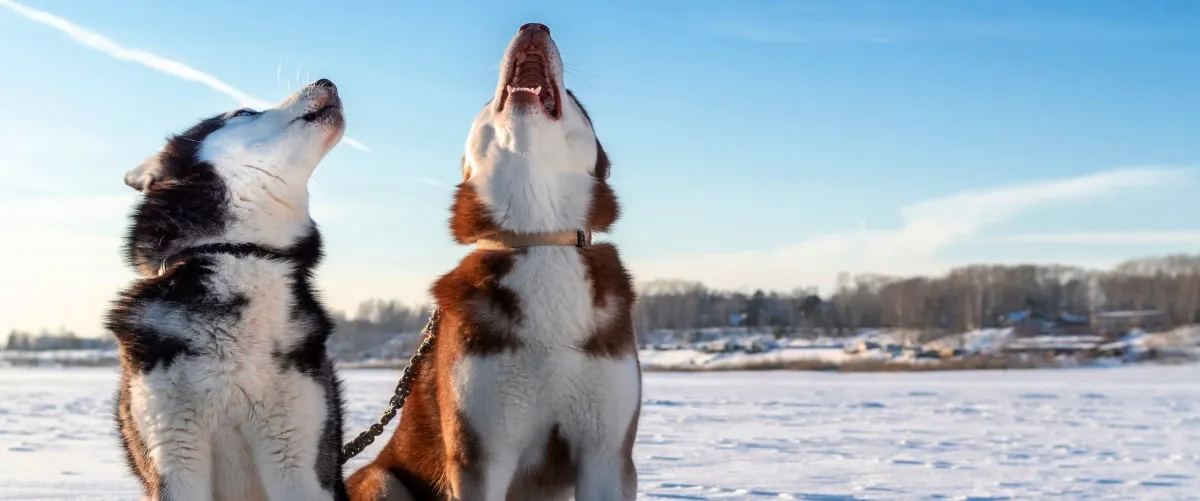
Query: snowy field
[{"x": 1129, "y": 433}]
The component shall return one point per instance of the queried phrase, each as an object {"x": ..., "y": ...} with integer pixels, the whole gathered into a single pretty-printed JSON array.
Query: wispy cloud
[
  {"x": 1117, "y": 237},
  {"x": 929, "y": 227},
  {"x": 100, "y": 43}
]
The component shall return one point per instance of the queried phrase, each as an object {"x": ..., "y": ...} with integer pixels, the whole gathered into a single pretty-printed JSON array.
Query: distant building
[
  {"x": 1112, "y": 324},
  {"x": 1027, "y": 323},
  {"x": 1024, "y": 323},
  {"x": 1072, "y": 325}
]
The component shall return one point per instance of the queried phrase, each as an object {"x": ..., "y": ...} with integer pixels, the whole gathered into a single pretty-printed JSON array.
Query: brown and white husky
[{"x": 532, "y": 389}]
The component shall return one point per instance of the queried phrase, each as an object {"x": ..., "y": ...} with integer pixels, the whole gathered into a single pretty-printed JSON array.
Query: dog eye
[{"x": 243, "y": 113}]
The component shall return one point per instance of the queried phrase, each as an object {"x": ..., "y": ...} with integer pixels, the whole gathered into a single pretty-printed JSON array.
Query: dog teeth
[{"x": 532, "y": 90}]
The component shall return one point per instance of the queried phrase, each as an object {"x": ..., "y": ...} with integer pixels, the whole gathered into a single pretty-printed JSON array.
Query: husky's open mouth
[{"x": 529, "y": 79}]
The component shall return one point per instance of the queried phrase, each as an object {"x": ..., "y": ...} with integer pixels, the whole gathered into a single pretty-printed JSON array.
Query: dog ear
[
  {"x": 146, "y": 173},
  {"x": 603, "y": 168},
  {"x": 466, "y": 169}
]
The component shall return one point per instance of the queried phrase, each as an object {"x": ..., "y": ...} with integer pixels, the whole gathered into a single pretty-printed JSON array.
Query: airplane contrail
[{"x": 100, "y": 43}]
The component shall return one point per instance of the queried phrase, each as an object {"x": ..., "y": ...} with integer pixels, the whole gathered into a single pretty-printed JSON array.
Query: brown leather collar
[{"x": 507, "y": 240}]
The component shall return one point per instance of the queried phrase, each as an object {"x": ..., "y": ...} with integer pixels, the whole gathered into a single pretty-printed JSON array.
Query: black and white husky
[{"x": 227, "y": 392}]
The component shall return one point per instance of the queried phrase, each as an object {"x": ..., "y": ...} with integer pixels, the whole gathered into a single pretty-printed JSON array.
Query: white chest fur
[{"x": 513, "y": 399}]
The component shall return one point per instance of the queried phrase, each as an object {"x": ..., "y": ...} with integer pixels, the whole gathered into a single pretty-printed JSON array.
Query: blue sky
[{"x": 755, "y": 144}]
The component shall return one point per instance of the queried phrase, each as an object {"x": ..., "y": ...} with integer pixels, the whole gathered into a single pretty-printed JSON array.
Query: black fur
[{"x": 188, "y": 202}]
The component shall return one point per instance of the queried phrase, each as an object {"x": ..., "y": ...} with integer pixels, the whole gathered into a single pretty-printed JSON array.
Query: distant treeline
[
  {"x": 61, "y": 340},
  {"x": 966, "y": 298},
  {"x": 375, "y": 322}
]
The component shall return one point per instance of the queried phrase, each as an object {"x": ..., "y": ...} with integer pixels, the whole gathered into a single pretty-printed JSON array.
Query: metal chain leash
[{"x": 403, "y": 388}]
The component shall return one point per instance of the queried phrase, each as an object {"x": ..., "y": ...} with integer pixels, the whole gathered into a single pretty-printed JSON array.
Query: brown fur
[
  {"x": 486, "y": 311},
  {"x": 377, "y": 483},
  {"x": 434, "y": 448},
  {"x": 610, "y": 282},
  {"x": 604, "y": 210},
  {"x": 469, "y": 217}
]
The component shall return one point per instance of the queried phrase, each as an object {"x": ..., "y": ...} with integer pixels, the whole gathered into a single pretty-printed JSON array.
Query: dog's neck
[
  {"x": 525, "y": 198},
  {"x": 205, "y": 208},
  {"x": 531, "y": 189},
  {"x": 264, "y": 208},
  {"x": 231, "y": 249},
  {"x": 508, "y": 240}
]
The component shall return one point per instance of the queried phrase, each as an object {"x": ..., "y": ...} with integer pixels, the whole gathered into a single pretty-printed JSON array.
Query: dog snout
[
  {"x": 324, "y": 83},
  {"x": 534, "y": 28},
  {"x": 322, "y": 93},
  {"x": 323, "y": 87},
  {"x": 533, "y": 33}
]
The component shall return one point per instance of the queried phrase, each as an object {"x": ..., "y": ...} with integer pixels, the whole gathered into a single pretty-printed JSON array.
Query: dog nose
[
  {"x": 535, "y": 27},
  {"x": 324, "y": 83}
]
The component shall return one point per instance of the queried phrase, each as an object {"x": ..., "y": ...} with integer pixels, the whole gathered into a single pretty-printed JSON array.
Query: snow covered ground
[
  {"x": 1127, "y": 433},
  {"x": 686, "y": 358}
]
